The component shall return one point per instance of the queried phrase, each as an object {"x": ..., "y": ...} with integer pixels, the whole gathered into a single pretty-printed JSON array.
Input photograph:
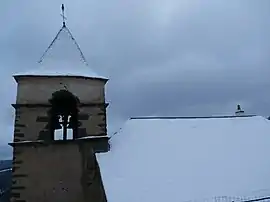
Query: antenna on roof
[
  {"x": 70, "y": 35},
  {"x": 239, "y": 111}
]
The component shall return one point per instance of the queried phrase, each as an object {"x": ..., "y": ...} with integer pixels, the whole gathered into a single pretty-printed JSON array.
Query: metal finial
[{"x": 63, "y": 15}]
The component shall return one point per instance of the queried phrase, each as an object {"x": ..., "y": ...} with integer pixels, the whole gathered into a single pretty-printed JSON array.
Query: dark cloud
[{"x": 190, "y": 57}]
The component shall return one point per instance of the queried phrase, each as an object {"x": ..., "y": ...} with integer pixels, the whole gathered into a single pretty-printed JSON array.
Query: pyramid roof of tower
[{"x": 62, "y": 58}]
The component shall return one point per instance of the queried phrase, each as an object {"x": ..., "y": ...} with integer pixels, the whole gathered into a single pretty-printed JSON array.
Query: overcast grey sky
[{"x": 173, "y": 57}]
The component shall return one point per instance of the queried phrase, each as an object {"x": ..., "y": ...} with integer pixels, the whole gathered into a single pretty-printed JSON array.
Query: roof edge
[
  {"x": 179, "y": 117},
  {"x": 189, "y": 117}
]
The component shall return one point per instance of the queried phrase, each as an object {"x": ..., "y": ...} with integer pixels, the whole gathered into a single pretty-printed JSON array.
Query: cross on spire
[{"x": 63, "y": 15}]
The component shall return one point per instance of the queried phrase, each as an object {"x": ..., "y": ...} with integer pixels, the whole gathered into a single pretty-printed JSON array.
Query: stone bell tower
[{"x": 60, "y": 123}]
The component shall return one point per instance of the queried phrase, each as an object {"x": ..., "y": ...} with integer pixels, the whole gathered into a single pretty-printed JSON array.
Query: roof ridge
[{"x": 190, "y": 117}]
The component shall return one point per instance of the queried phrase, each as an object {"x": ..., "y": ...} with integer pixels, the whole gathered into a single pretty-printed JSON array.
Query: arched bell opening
[{"x": 63, "y": 115}]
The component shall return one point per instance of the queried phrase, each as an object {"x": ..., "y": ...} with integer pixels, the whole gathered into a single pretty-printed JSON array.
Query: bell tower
[{"x": 60, "y": 123}]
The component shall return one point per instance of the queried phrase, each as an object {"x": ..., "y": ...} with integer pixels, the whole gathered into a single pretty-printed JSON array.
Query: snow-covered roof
[
  {"x": 180, "y": 159},
  {"x": 63, "y": 58}
]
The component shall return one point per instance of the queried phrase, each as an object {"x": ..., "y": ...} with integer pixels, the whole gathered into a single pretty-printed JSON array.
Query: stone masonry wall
[
  {"x": 65, "y": 172},
  {"x": 62, "y": 170},
  {"x": 31, "y": 124},
  {"x": 27, "y": 123},
  {"x": 92, "y": 121},
  {"x": 38, "y": 90}
]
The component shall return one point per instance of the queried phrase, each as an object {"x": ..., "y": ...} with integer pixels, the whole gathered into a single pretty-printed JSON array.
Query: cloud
[{"x": 189, "y": 57}]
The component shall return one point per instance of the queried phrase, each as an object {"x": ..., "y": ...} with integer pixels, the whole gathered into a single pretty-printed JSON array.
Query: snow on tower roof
[
  {"x": 63, "y": 58},
  {"x": 179, "y": 159}
]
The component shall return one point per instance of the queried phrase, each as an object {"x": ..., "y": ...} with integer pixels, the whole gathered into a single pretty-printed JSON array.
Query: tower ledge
[
  {"x": 83, "y": 72},
  {"x": 16, "y": 106},
  {"x": 100, "y": 143}
]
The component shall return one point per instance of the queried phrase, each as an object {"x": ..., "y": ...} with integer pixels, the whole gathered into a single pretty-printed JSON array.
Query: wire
[
  {"x": 51, "y": 44},
  {"x": 77, "y": 45}
]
